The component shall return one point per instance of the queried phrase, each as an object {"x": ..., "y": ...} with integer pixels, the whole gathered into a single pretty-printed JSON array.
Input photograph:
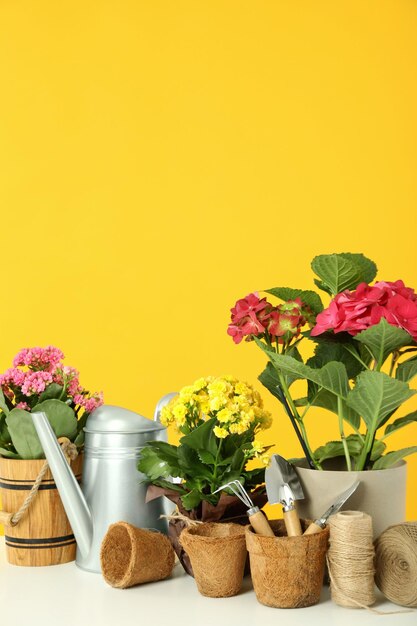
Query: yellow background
[{"x": 160, "y": 159}]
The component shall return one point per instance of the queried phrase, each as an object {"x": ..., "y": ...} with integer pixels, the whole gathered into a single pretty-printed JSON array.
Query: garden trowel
[
  {"x": 283, "y": 485},
  {"x": 319, "y": 524}
]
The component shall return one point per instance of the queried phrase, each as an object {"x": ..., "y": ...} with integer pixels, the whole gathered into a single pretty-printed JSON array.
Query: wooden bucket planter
[{"x": 43, "y": 536}]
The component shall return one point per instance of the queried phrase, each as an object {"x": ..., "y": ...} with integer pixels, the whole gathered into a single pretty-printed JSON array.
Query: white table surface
[{"x": 64, "y": 595}]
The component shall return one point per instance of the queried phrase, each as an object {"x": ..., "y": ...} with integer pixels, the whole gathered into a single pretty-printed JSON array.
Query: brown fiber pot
[
  {"x": 130, "y": 556},
  {"x": 218, "y": 555},
  {"x": 43, "y": 536},
  {"x": 287, "y": 572}
]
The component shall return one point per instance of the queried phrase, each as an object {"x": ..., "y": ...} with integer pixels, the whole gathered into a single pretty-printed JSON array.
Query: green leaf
[
  {"x": 317, "y": 396},
  {"x": 61, "y": 417},
  {"x": 310, "y": 298},
  {"x": 4, "y": 431},
  {"x": 320, "y": 284},
  {"x": 391, "y": 458},
  {"x": 3, "y": 404},
  {"x": 52, "y": 391},
  {"x": 337, "y": 272},
  {"x": 332, "y": 376},
  {"x": 407, "y": 369},
  {"x": 202, "y": 438},
  {"x": 206, "y": 457},
  {"x": 190, "y": 463},
  {"x": 401, "y": 422},
  {"x": 367, "y": 267},
  {"x": 378, "y": 449},
  {"x": 9, "y": 454},
  {"x": 327, "y": 351},
  {"x": 191, "y": 500},
  {"x": 333, "y": 449},
  {"x": 238, "y": 461},
  {"x": 154, "y": 465},
  {"x": 376, "y": 396},
  {"x": 382, "y": 339},
  {"x": 23, "y": 434}
]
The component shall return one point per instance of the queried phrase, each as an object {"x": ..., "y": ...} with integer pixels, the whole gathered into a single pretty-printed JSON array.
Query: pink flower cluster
[
  {"x": 39, "y": 358},
  {"x": 40, "y": 368},
  {"x": 252, "y": 316},
  {"x": 354, "y": 311},
  {"x": 35, "y": 382}
]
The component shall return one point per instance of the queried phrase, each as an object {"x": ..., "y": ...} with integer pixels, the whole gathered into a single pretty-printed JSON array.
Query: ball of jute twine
[
  {"x": 396, "y": 563},
  {"x": 351, "y": 559},
  {"x": 12, "y": 519}
]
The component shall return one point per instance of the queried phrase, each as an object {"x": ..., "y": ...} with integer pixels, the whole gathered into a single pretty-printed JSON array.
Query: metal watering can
[{"x": 112, "y": 488}]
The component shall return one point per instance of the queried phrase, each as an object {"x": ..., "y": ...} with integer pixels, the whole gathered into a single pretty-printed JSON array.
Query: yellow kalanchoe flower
[
  {"x": 200, "y": 384},
  {"x": 224, "y": 415},
  {"x": 221, "y": 433},
  {"x": 180, "y": 412}
]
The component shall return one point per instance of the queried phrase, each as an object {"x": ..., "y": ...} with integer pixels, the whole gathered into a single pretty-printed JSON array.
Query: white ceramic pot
[{"x": 381, "y": 493}]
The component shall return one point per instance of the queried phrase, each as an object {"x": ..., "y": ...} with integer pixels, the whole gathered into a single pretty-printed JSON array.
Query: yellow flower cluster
[{"x": 236, "y": 405}]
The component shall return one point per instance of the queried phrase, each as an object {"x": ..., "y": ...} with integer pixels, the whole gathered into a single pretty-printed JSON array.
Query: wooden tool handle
[
  {"x": 313, "y": 529},
  {"x": 260, "y": 524},
  {"x": 292, "y": 523}
]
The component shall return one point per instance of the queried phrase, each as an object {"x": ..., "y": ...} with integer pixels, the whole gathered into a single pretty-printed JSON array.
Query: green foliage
[
  {"x": 52, "y": 391},
  {"x": 344, "y": 375},
  {"x": 382, "y": 339},
  {"x": 355, "y": 445},
  {"x": 407, "y": 369},
  {"x": 17, "y": 429},
  {"x": 310, "y": 298},
  {"x": 61, "y": 417},
  {"x": 3, "y": 404},
  {"x": 401, "y": 422},
  {"x": 203, "y": 462},
  {"x": 23, "y": 434},
  {"x": 391, "y": 458},
  {"x": 338, "y": 272},
  {"x": 376, "y": 396}
]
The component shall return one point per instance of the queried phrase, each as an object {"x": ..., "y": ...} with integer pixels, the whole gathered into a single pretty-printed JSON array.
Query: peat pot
[{"x": 381, "y": 493}]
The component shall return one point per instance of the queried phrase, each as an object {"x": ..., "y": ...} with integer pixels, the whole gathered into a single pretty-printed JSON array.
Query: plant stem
[
  {"x": 394, "y": 359},
  {"x": 342, "y": 433},
  {"x": 216, "y": 459},
  {"x": 297, "y": 423},
  {"x": 366, "y": 451}
]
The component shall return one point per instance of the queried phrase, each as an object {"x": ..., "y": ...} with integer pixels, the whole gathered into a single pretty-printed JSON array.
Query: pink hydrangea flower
[
  {"x": 250, "y": 316},
  {"x": 354, "y": 311}
]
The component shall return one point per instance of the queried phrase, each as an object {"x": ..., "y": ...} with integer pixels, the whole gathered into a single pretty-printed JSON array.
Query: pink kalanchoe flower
[
  {"x": 250, "y": 316},
  {"x": 39, "y": 358},
  {"x": 36, "y": 382},
  {"x": 23, "y": 405},
  {"x": 13, "y": 377},
  {"x": 354, "y": 311}
]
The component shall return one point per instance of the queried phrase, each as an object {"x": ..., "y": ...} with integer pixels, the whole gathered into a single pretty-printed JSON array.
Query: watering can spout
[{"x": 75, "y": 506}]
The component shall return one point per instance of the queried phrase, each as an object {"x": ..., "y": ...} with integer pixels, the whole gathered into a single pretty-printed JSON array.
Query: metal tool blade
[
  {"x": 336, "y": 506},
  {"x": 281, "y": 481}
]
